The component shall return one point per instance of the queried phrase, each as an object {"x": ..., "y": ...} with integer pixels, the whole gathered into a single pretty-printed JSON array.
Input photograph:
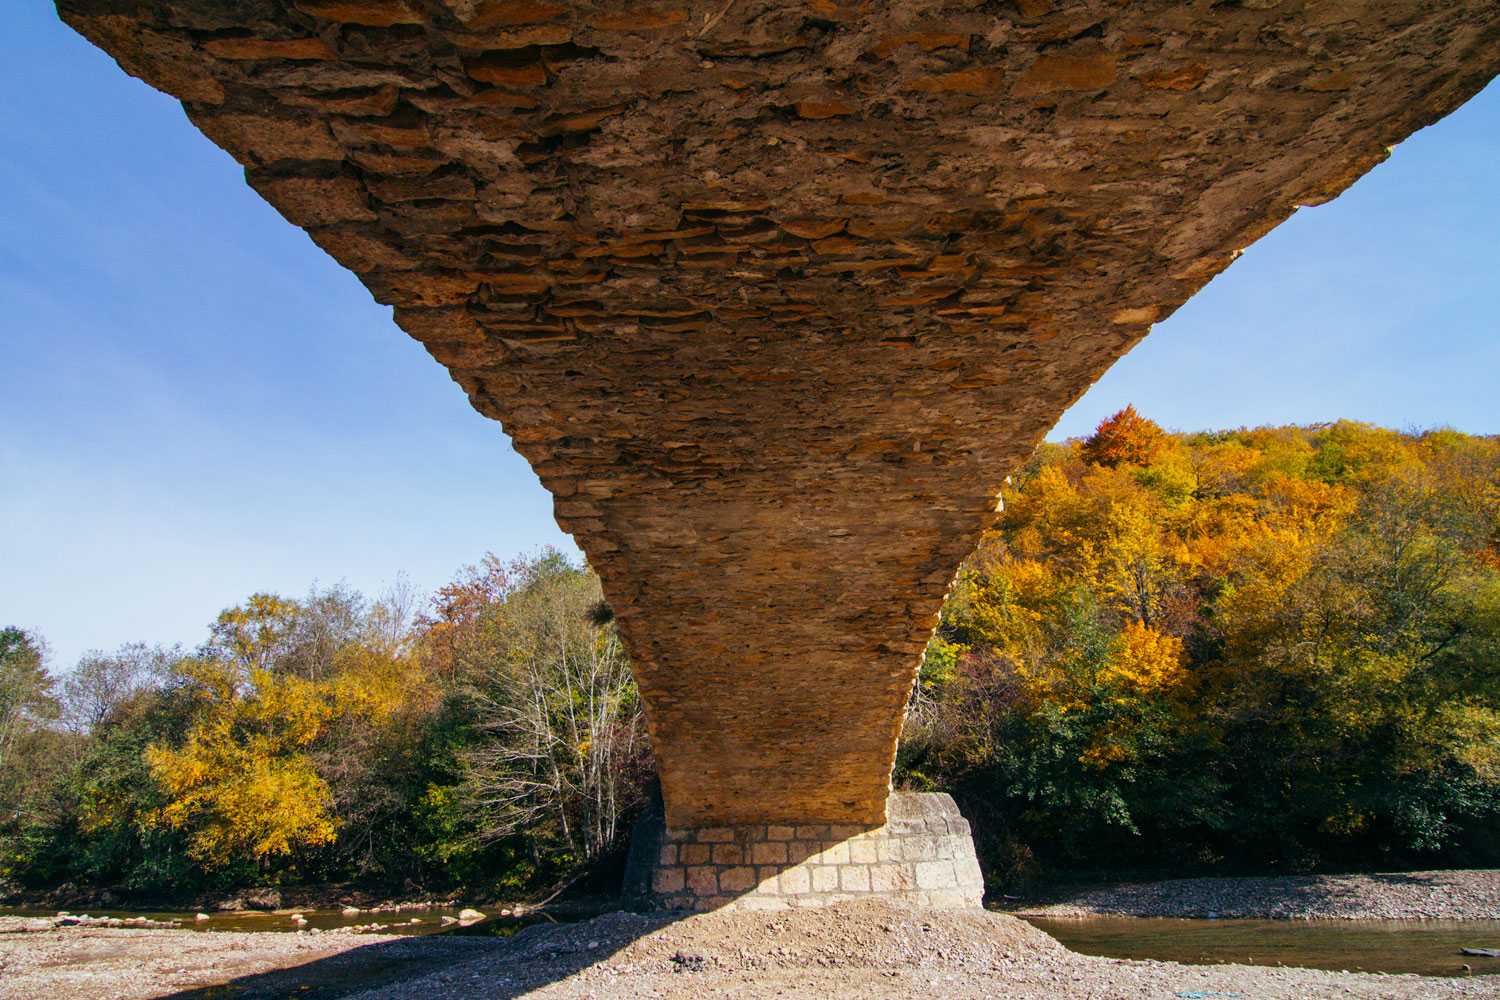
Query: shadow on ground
[{"x": 533, "y": 956}]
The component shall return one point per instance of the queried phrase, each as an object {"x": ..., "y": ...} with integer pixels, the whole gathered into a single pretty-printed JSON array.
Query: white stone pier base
[{"x": 923, "y": 856}]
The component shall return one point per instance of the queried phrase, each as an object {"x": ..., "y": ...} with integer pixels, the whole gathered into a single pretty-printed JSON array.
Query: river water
[
  {"x": 1428, "y": 947},
  {"x": 410, "y": 921}
]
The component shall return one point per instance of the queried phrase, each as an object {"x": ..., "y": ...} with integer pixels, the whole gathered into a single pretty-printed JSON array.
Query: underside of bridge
[{"x": 774, "y": 295}]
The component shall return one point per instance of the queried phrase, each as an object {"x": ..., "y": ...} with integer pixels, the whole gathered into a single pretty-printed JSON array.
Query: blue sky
[{"x": 196, "y": 403}]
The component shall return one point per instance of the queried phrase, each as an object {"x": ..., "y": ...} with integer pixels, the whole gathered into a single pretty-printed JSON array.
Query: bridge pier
[{"x": 922, "y": 855}]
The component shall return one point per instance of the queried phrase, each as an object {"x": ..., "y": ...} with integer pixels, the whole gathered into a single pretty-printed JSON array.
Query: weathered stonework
[
  {"x": 923, "y": 855},
  {"x": 772, "y": 295}
]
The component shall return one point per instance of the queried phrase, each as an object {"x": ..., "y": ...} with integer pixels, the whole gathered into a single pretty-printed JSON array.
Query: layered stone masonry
[
  {"x": 772, "y": 296},
  {"x": 923, "y": 855}
]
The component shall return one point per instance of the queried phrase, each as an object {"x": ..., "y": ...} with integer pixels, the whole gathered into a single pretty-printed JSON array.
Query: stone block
[
  {"x": 694, "y": 854},
  {"x": 863, "y": 852},
  {"x": 795, "y": 881},
  {"x": 762, "y": 903},
  {"x": 854, "y": 878},
  {"x": 936, "y": 875},
  {"x": 314, "y": 201},
  {"x": 667, "y": 879},
  {"x": 779, "y": 832},
  {"x": 1066, "y": 71},
  {"x": 845, "y": 831},
  {"x": 825, "y": 878},
  {"x": 923, "y": 848},
  {"x": 768, "y": 853},
  {"x": 668, "y": 856},
  {"x": 266, "y": 140},
  {"x": 728, "y": 854},
  {"x": 703, "y": 880},
  {"x": 919, "y": 806},
  {"x": 950, "y": 900},
  {"x": 891, "y": 878},
  {"x": 312, "y": 48},
  {"x": 798, "y": 851},
  {"x": 738, "y": 879},
  {"x": 836, "y": 853},
  {"x": 714, "y": 834},
  {"x": 812, "y": 833}
]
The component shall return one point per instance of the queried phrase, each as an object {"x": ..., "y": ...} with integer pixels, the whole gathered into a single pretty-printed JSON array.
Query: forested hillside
[
  {"x": 1256, "y": 649},
  {"x": 1270, "y": 649},
  {"x": 490, "y": 738}
]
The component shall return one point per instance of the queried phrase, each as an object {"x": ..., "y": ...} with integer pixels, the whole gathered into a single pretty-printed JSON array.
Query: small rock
[{"x": 263, "y": 899}]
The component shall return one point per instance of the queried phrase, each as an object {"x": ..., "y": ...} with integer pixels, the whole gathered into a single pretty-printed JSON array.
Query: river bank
[
  {"x": 260, "y": 898},
  {"x": 857, "y": 950},
  {"x": 1435, "y": 895}
]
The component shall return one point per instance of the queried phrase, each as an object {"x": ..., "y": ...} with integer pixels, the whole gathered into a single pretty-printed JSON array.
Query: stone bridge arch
[{"x": 772, "y": 296}]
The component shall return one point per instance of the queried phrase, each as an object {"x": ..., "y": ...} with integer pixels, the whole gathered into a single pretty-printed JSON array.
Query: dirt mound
[
  {"x": 867, "y": 935},
  {"x": 859, "y": 951}
]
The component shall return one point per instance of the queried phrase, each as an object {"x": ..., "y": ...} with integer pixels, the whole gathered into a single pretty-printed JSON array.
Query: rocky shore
[
  {"x": 258, "y": 898},
  {"x": 1441, "y": 895},
  {"x": 859, "y": 951}
]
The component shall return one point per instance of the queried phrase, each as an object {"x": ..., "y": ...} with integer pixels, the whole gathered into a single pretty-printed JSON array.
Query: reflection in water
[{"x": 1428, "y": 947}]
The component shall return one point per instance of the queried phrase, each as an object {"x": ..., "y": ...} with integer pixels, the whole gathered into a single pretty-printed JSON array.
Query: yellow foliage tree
[
  {"x": 256, "y": 632},
  {"x": 242, "y": 782},
  {"x": 1148, "y": 662}
]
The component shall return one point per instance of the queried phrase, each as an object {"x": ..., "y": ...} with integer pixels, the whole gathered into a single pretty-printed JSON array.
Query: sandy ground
[
  {"x": 860, "y": 950},
  {"x": 74, "y": 963},
  {"x": 1444, "y": 895}
]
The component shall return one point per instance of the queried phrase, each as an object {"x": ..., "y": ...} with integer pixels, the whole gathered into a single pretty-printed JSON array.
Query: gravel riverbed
[
  {"x": 858, "y": 951},
  {"x": 1441, "y": 895}
]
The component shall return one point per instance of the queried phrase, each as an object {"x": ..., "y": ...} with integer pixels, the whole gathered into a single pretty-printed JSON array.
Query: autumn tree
[
  {"x": 26, "y": 689},
  {"x": 1268, "y": 645},
  {"x": 101, "y": 684},
  {"x": 242, "y": 784},
  {"x": 1126, "y": 438},
  {"x": 446, "y": 630},
  {"x": 305, "y": 717},
  {"x": 563, "y": 752}
]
